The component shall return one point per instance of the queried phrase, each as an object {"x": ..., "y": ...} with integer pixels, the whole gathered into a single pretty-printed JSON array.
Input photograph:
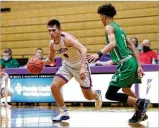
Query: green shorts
[{"x": 126, "y": 74}]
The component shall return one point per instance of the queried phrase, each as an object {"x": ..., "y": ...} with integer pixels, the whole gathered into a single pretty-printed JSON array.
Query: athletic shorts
[
  {"x": 1, "y": 92},
  {"x": 126, "y": 74},
  {"x": 66, "y": 72}
]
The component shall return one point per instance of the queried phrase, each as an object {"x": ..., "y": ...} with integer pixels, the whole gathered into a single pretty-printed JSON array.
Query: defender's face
[
  {"x": 103, "y": 19},
  {"x": 54, "y": 32}
]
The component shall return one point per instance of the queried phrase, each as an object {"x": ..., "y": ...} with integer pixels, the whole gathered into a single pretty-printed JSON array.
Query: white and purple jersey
[
  {"x": 72, "y": 63},
  {"x": 72, "y": 56}
]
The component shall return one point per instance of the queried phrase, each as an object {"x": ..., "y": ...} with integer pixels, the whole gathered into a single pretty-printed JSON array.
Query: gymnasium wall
[{"x": 24, "y": 29}]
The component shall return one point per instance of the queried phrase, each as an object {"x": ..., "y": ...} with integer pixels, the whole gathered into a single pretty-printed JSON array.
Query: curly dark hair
[{"x": 107, "y": 9}]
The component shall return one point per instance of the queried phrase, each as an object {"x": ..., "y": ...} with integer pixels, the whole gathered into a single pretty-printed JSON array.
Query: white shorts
[{"x": 66, "y": 73}]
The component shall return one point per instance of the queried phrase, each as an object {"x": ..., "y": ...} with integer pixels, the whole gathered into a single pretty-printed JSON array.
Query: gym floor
[{"x": 40, "y": 116}]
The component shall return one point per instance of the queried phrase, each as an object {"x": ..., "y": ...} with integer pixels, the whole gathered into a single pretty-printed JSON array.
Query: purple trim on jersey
[
  {"x": 61, "y": 77},
  {"x": 86, "y": 87}
]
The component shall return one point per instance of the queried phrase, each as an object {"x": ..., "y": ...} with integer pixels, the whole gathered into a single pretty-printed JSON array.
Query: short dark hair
[
  {"x": 2, "y": 66},
  {"x": 8, "y": 50},
  {"x": 107, "y": 10},
  {"x": 39, "y": 49},
  {"x": 54, "y": 22}
]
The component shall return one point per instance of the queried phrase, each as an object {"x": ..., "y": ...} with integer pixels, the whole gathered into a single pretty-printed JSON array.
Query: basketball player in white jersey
[
  {"x": 4, "y": 90},
  {"x": 74, "y": 65}
]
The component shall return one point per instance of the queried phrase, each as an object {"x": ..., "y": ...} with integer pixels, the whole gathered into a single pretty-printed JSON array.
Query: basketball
[{"x": 35, "y": 65}]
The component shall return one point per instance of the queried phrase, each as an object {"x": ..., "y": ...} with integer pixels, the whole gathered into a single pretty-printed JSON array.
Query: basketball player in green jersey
[{"x": 129, "y": 71}]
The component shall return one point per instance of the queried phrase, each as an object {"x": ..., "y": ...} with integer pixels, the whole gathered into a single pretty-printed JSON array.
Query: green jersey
[
  {"x": 121, "y": 50},
  {"x": 11, "y": 63}
]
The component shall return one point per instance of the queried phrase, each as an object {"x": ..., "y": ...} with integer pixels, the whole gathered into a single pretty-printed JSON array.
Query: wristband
[{"x": 100, "y": 54}]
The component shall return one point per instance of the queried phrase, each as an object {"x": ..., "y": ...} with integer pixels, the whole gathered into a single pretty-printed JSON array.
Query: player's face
[
  {"x": 103, "y": 19},
  {"x": 54, "y": 32}
]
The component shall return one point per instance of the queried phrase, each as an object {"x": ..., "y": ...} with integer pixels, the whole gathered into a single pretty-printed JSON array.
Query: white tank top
[
  {"x": 3, "y": 80},
  {"x": 72, "y": 56}
]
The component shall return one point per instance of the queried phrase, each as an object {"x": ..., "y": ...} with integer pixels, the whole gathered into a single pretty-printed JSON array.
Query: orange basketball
[{"x": 35, "y": 65}]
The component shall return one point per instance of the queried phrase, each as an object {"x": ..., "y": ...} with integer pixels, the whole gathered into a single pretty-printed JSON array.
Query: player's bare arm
[
  {"x": 71, "y": 42},
  {"x": 110, "y": 32},
  {"x": 112, "y": 41},
  {"x": 51, "y": 56},
  {"x": 131, "y": 46}
]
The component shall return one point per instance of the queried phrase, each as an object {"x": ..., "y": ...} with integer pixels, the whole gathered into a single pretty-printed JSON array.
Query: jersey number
[{"x": 124, "y": 40}]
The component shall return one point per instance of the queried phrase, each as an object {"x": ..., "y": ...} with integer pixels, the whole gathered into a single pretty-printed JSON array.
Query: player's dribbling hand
[
  {"x": 140, "y": 72},
  {"x": 82, "y": 73},
  {"x": 92, "y": 58}
]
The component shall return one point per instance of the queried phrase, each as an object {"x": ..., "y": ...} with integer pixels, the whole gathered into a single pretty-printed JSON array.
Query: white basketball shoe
[{"x": 62, "y": 116}]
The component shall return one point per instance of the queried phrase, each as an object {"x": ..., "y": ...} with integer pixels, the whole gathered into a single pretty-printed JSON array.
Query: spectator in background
[
  {"x": 39, "y": 53},
  {"x": 100, "y": 63},
  {"x": 104, "y": 60},
  {"x": 7, "y": 60},
  {"x": 136, "y": 43},
  {"x": 148, "y": 56}
]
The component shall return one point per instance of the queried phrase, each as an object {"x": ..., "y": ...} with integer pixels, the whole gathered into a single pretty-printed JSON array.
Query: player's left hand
[
  {"x": 140, "y": 72},
  {"x": 93, "y": 57},
  {"x": 82, "y": 73}
]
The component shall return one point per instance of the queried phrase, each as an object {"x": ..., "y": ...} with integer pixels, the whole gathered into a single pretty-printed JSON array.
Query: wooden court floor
[{"x": 40, "y": 117}]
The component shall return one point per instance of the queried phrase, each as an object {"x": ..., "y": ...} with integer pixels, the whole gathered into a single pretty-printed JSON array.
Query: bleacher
[{"x": 23, "y": 29}]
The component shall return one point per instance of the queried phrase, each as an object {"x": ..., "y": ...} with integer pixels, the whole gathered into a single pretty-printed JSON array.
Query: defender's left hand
[{"x": 92, "y": 58}]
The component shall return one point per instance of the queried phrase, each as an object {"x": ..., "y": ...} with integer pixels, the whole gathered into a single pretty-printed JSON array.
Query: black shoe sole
[{"x": 62, "y": 118}]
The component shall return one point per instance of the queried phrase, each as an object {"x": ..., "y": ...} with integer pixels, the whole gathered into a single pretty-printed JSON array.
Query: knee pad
[{"x": 108, "y": 95}]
